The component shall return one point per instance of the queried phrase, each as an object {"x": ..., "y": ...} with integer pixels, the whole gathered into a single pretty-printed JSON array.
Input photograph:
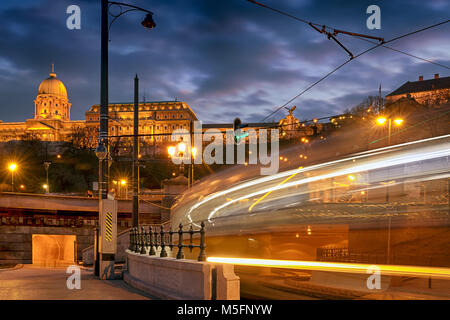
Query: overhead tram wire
[
  {"x": 344, "y": 32},
  {"x": 356, "y": 56},
  {"x": 406, "y": 53}
]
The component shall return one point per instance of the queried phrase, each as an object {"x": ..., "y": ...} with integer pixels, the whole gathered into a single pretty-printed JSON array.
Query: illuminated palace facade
[
  {"x": 157, "y": 119},
  {"x": 52, "y": 122}
]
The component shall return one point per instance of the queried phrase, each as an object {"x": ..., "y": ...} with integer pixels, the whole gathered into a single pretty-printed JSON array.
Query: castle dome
[{"x": 53, "y": 86}]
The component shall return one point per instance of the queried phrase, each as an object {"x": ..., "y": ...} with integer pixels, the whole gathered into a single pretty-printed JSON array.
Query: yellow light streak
[
  {"x": 392, "y": 270},
  {"x": 270, "y": 191}
]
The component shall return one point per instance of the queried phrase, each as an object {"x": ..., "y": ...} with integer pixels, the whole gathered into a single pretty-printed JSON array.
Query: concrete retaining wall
[{"x": 169, "y": 278}]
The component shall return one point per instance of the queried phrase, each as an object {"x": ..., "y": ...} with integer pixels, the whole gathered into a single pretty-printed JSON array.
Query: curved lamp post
[{"x": 102, "y": 149}]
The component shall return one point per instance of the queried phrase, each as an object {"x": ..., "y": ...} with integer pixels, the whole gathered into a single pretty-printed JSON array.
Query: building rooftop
[{"x": 422, "y": 85}]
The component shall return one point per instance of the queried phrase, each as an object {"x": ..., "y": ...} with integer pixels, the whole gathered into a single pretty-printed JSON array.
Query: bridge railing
[{"x": 150, "y": 239}]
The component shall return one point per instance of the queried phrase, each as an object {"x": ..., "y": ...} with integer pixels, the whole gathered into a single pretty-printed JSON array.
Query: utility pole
[
  {"x": 192, "y": 152},
  {"x": 135, "y": 215}
]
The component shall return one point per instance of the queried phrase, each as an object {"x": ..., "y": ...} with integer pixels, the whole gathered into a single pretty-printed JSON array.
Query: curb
[{"x": 17, "y": 266}]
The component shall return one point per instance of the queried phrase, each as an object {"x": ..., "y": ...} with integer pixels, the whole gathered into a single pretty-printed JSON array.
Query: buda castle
[{"x": 52, "y": 121}]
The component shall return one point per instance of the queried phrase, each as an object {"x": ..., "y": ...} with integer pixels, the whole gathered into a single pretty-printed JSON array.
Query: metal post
[
  {"x": 202, "y": 255},
  {"x": 143, "y": 240},
  {"x": 97, "y": 254},
  {"x": 192, "y": 154},
  {"x": 103, "y": 179},
  {"x": 388, "y": 260},
  {"x": 180, "y": 254},
  {"x": 12, "y": 180},
  {"x": 135, "y": 214},
  {"x": 151, "y": 252},
  {"x": 389, "y": 131},
  {"x": 163, "y": 245}
]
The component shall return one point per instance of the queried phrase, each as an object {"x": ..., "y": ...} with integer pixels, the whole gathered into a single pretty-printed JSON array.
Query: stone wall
[{"x": 169, "y": 278}]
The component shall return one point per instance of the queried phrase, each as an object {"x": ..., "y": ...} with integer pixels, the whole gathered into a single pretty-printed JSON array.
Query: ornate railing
[{"x": 149, "y": 240}]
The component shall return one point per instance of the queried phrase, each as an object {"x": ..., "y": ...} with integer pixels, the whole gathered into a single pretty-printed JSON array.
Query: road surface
[{"x": 32, "y": 283}]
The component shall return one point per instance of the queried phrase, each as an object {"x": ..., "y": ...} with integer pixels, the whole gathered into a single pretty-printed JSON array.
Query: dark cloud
[{"x": 224, "y": 58}]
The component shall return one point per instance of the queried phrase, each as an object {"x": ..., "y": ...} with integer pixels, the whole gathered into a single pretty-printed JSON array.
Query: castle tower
[{"x": 51, "y": 102}]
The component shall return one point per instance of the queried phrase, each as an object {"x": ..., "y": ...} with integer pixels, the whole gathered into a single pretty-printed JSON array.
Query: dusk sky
[{"x": 224, "y": 58}]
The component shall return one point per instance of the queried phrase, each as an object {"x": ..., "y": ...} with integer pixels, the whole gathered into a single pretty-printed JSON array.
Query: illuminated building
[
  {"x": 431, "y": 91},
  {"x": 52, "y": 122}
]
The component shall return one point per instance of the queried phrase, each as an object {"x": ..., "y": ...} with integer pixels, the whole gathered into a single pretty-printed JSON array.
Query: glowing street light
[
  {"x": 123, "y": 183},
  {"x": 12, "y": 167},
  {"x": 171, "y": 151},
  {"x": 45, "y": 186},
  {"x": 382, "y": 120},
  {"x": 182, "y": 147}
]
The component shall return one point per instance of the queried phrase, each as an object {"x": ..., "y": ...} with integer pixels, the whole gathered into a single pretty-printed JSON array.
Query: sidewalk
[{"x": 32, "y": 283}]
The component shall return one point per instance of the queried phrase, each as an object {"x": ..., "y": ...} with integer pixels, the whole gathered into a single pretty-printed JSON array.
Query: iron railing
[{"x": 149, "y": 240}]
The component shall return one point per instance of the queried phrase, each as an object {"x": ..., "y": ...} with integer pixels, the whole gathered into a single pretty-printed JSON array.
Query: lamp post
[
  {"x": 135, "y": 212},
  {"x": 46, "y": 166},
  {"x": 12, "y": 167},
  {"x": 398, "y": 122},
  {"x": 179, "y": 152},
  {"x": 102, "y": 148}
]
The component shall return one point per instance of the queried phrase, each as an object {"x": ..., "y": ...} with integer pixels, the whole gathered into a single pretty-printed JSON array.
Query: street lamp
[
  {"x": 398, "y": 122},
  {"x": 12, "y": 167},
  {"x": 103, "y": 136},
  {"x": 123, "y": 183},
  {"x": 46, "y": 166},
  {"x": 382, "y": 120},
  {"x": 105, "y": 27},
  {"x": 171, "y": 151}
]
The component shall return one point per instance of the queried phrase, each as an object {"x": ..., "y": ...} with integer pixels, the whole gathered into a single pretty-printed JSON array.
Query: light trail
[
  {"x": 372, "y": 165},
  {"x": 363, "y": 155},
  {"x": 264, "y": 196},
  {"x": 392, "y": 270}
]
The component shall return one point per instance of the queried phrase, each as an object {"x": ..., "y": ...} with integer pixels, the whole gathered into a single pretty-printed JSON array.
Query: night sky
[{"x": 225, "y": 58}]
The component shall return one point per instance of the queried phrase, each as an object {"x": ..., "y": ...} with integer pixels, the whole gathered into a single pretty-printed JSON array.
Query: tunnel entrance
[{"x": 53, "y": 250}]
